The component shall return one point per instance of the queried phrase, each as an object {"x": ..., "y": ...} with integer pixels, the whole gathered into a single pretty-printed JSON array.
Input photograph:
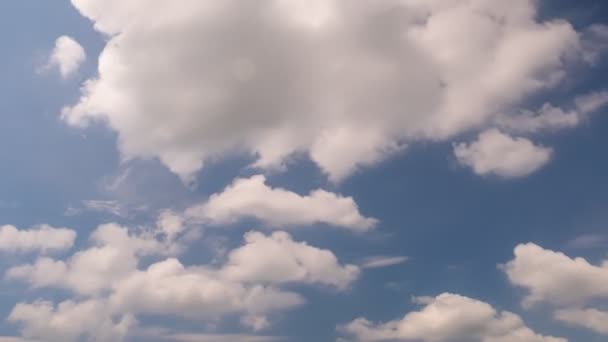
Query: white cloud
[
  {"x": 67, "y": 56},
  {"x": 346, "y": 82},
  {"x": 383, "y": 261},
  {"x": 108, "y": 275},
  {"x": 553, "y": 277},
  {"x": 70, "y": 321},
  {"x": 449, "y": 317},
  {"x": 279, "y": 207},
  {"x": 169, "y": 288},
  {"x": 257, "y": 262},
  {"x": 113, "y": 256},
  {"x": 495, "y": 153},
  {"x": 43, "y": 238},
  {"x": 592, "y": 319}
]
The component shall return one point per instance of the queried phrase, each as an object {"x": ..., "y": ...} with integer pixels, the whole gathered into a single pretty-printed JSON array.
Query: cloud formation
[
  {"x": 554, "y": 278},
  {"x": 346, "y": 82},
  {"x": 449, "y": 317},
  {"x": 495, "y": 153},
  {"x": 108, "y": 279},
  {"x": 67, "y": 56},
  {"x": 43, "y": 238},
  {"x": 277, "y": 207}
]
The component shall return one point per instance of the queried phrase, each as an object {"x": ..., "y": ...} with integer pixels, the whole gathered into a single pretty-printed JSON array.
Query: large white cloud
[
  {"x": 347, "y": 82},
  {"x": 495, "y": 153},
  {"x": 553, "y": 277},
  {"x": 447, "y": 318},
  {"x": 279, "y": 207},
  {"x": 67, "y": 56},
  {"x": 43, "y": 238}
]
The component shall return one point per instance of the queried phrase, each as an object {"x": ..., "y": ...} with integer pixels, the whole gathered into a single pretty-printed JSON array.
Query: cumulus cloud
[
  {"x": 252, "y": 197},
  {"x": 67, "y": 56},
  {"x": 43, "y": 239},
  {"x": 108, "y": 277},
  {"x": 70, "y": 321},
  {"x": 592, "y": 319},
  {"x": 553, "y": 277},
  {"x": 346, "y": 82},
  {"x": 169, "y": 288},
  {"x": 449, "y": 317},
  {"x": 113, "y": 255},
  {"x": 495, "y": 153},
  {"x": 257, "y": 262}
]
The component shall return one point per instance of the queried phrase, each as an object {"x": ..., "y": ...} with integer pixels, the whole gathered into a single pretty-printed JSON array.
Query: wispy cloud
[{"x": 383, "y": 261}]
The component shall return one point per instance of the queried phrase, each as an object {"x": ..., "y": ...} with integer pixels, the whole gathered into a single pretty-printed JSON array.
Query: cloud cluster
[
  {"x": 345, "y": 82},
  {"x": 449, "y": 317},
  {"x": 112, "y": 288}
]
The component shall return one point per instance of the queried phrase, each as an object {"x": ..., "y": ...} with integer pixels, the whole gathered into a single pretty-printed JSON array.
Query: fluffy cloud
[
  {"x": 449, "y": 317},
  {"x": 257, "y": 262},
  {"x": 495, "y": 153},
  {"x": 67, "y": 56},
  {"x": 346, "y": 82},
  {"x": 555, "y": 278},
  {"x": 107, "y": 276},
  {"x": 114, "y": 255},
  {"x": 279, "y": 207},
  {"x": 43, "y": 238},
  {"x": 70, "y": 321},
  {"x": 595, "y": 320},
  {"x": 169, "y": 288}
]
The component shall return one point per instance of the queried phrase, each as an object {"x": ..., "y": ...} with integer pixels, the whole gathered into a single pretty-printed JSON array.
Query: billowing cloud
[
  {"x": 114, "y": 254},
  {"x": 67, "y": 56},
  {"x": 70, "y": 321},
  {"x": 553, "y": 277},
  {"x": 449, "y": 317},
  {"x": 595, "y": 320},
  {"x": 345, "y": 82},
  {"x": 169, "y": 288},
  {"x": 257, "y": 261},
  {"x": 252, "y": 197},
  {"x": 43, "y": 239},
  {"x": 495, "y": 153},
  {"x": 107, "y": 277}
]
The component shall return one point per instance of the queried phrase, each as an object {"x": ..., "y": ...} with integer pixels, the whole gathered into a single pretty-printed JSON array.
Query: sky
[{"x": 321, "y": 170}]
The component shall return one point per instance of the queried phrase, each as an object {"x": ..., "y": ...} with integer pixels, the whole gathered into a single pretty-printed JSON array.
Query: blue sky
[{"x": 430, "y": 137}]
